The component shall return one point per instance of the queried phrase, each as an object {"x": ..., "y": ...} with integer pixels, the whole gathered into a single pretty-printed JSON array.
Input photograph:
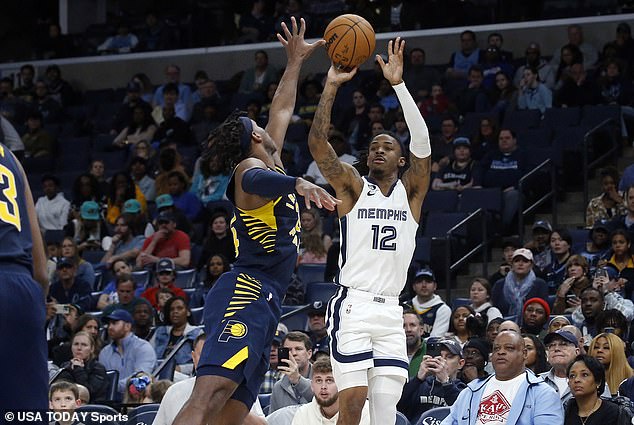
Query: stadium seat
[
  {"x": 165, "y": 370},
  {"x": 265, "y": 400},
  {"x": 489, "y": 199},
  {"x": 141, "y": 278},
  {"x": 142, "y": 415},
  {"x": 522, "y": 119},
  {"x": 105, "y": 414},
  {"x": 401, "y": 419},
  {"x": 93, "y": 256},
  {"x": 422, "y": 252},
  {"x": 112, "y": 376},
  {"x": 197, "y": 315},
  {"x": 195, "y": 296},
  {"x": 185, "y": 278},
  {"x": 434, "y": 416},
  {"x": 320, "y": 291},
  {"x": 293, "y": 318},
  {"x": 535, "y": 137},
  {"x": 440, "y": 200},
  {"x": 309, "y": 273},
  {"x": 579, "y": 239},
  {"x": 438, "y": 223},
  {"x": 592, "y": 115},
  {"x": 561, "y": 117},
  {"x": 471, "y": 123}
]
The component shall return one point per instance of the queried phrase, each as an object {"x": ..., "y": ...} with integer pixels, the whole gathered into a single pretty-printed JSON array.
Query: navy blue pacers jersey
[
  {"x": 15, "y": 232},
  {"x": 267, "y": 238}
]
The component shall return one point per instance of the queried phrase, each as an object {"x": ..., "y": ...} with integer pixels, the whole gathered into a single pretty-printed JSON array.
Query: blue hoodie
[{"x": 536, "y": 403}]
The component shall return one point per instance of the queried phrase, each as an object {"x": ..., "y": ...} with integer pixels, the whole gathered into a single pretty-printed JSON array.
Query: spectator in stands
[
  {"x": 109, "y": 293},
  {"x": 165, "y": 203},
  {"x": 509, "y": 245},
  {"x": 294, "y": 387},
  {"x": 69, "y": 288},
  {"x": 562, "y": 348},
  {"x": 609, "y": 350},
  {"x": 55, "y": 45},
  {"x": 609, "y": 203},
  {"x": 533, "y": 59},
  {"x": 503, "y": 403},
  {"x": 354, "y": 120},
  {"x": 442, "y": 145},
  {"x": 183, "y": 91},
  {"x": 418, "y": 77},
  {"x": 126, "y": 114},
  {"x": 435, "y": 314},
  {"x": 256, "y": 25},
  {"x": 437, "y": 103},
  {"x": 173, "y": 113},
  {"x": 503, "y": 168},
  {"x": 613, "y": 321},
  {"x": 485, "y": 139},
  {"x": 58, "y": 88},
  {"x": 465, "y": 323},
  {"x": 142, "y": 127},
  {"x": 215, "y": 267},
  {"x": 165, "y": 277},
  {"x": 207, "y": 94},
  {"x": 85, "y": 188},
  {"x": 624, "y": 47},
  {"x": 37, "y": 141},
  {"x": 436, "y": 383},
  {"x": 597, "y": 249},
  {"x": 127, "y": 353},
  {"x": 622, "y": 260},
  {"x": 557, "y": 322},
  {"x": 257, "y": 78},
  {"x": 560, "y": 252},
  {"x": 535, "y": 316},
  {"x": 50, "y": 108},
  {"x": 184, "y": 200},
  {"x": 519, "y": 285},
  {"x": 272, "y": 375},
  {"x": 504, "y": 95},
  {"x": 127, "y": 295},
  {"x": 313, "y": 250},
  {"x": 52, "y": 209},
  {"x": 60, "y": 327},
  {"x": 26, "y": 89},
  {"x": 496, "y": 40},
  {"x": 177, "y": 327},
  {"x": 168, "y": 160},
  {"x": 145, "y": 150},
  {"x": 480, "y": 296},
  {"x": 462, "y": 172},
  {"x": 89, "y": 229},
  {"x": 84, "y": 270},
  {"x": 152, "y": 35},
  {"x": 63, "y": 399},
  {"x": 138, "y": 170},
  {"x": 136, "y": 388},
  {"x": 461, "y": 61},
  {"x": 219, "y": 239},
  {"x": 476, "y": 357},
  {"x": 122, "y": 188},
  {"x": 615, "y": 88},
  {"x": 341, "y": 148},
  {"x": 533, "y": 94},
  {"x": 540, "y": 244},
  {"x": 311, "y": 221},
  {"x": 535, "y": 354},
  {"x": 413, "y": 327},
  {"x": 317, "y": 331},
  {"x": 578, "y": 90},
  {"x": 125, "y": 244},
  {"x": 473, "y": 97},
  {"x": 567, "y": 298},
  {"x": 590, "y": 55},
  {"x": 143, "y": 316},
  {"x": 11, "y": 106},
  {"x": 122, "y": 42},
  {"x": 493, "y": 328},
  {"x": 89, "y": 324},
  {"x": 400, "y": 130},
  {"x": 492, "y": 64},
  {"x": 84, "y": 368},
  {"x": 98, "y": 169}
]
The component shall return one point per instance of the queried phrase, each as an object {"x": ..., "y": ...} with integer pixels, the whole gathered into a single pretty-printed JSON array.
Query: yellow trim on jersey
[
  {"x": 237, "y": 358},
  {"x": 246, "y": 291}
]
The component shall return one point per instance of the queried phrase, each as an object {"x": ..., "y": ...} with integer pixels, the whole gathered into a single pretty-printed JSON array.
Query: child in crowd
[{"x": 63, "y": 397}]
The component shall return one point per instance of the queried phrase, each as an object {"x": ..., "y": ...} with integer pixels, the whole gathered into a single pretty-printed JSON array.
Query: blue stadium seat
[
  {"x": 293, "y": 318},
  {"x": 535, "y": 137},
  {"x": 433, "y": 416},
  {"x": 579, "y": 239},
  {"x": 457, "y": 302},
  {"x": 93, "y": 256},
  {"x": 522, "y": 119},
  {"x": 142, "y": 415},
  {"x": 141, "y": 278},
  {"x": 438, "y": 223},
  {"x": 185, "y": 278},
  {"x": 561, "y": 117},
  {"x": 197, "y": 315},
  {"x": 265, "y": 400},
  {"x": 592, "y": 115},
  {"x": 103, "y": 413},
  {"x": 309, "y": 273},
  {"x": 320, "y": 291},
  {"x": 112, "y": 377},
  {"x": 489, "y": 199},
  {"x": 440, "y": 200},
  {"x": 422, "y": 252},
  {"x": 471, "y": 123},
  {"x": 401, "y": 419}
]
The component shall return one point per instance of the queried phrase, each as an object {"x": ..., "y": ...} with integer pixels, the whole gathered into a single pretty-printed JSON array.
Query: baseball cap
[
  {"x": 164, "y": 217},
  {"x": 163, "y": 201},
  {"x": 479, "y": 344},
  {"x": 165, "y": 264},
  {"x": 426, "y": 274},
  {"x": 452, "y": 346},
  {"x": 523, "y": 252},
  {"x": 565, "y": 335},
  {"x": 89, "y": 210},
  {"x": 65, "y": 262},
  {"x": 601, "y": 224},
  {"x": 533, "y": 46},
  {"x": 132, "y": 206},
  {"x": 461, "y": 141},
  {"x": 542, "y": 224},
  {"x": 321, "y": 311},
  {"x": 119, "y": 314}
]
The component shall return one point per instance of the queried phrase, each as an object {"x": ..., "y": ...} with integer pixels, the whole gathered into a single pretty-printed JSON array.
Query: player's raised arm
[
  {"x": 340, "y": 176},
  {"x": 416, "y": 178},
  {"x": 283, "y": 104}
]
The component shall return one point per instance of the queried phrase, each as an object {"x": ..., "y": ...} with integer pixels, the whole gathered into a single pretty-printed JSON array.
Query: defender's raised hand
[
  {"x": 293, "y": 41},
  {"x": 393, "y": 69}
]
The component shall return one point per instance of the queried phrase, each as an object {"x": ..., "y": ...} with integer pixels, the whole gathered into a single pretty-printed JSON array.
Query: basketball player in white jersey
[{"x": 379, "y": 216}]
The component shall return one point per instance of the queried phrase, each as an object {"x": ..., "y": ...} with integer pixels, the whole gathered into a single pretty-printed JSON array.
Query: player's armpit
[{"x": 416, "y": 180}]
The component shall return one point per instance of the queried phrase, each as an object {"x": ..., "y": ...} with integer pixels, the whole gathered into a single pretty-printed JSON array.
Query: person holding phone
[
  {"x": 436, "y": 383},
  {"x": 576, "y": 281},
  {"x": 293, "y": 359}
]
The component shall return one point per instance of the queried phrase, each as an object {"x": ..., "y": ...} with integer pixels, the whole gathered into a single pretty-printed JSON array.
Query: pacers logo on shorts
[{"x": 233, "y": 329}]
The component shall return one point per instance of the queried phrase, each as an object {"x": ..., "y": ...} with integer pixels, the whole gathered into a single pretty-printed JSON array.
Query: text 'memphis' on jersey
[
  {"x": 378, "y": 237},
  {"x": 15, "y": 232}
]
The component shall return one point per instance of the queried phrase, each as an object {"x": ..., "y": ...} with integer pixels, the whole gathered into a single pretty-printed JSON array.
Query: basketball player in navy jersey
[
  {"x": 243, "y": 308},
  {"x": 378, "y": 216},
  {"x": 23, "y": 288}
]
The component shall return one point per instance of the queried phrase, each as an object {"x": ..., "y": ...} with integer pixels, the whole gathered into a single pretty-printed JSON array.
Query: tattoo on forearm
[{"x": 328, "y": 162}]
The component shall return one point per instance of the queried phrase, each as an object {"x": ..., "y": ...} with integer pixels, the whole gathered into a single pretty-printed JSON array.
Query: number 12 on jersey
[{"x": 383, "y": 237}]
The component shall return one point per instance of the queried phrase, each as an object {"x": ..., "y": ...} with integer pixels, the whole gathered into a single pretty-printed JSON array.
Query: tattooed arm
[{"x": 344, "y": 178}]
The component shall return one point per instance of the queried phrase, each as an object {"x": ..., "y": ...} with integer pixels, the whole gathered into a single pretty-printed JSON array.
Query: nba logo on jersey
[{"x": 233, "y": 329}]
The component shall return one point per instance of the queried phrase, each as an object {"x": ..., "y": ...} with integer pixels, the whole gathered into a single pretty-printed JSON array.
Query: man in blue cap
[
  {"x": 127, "y": 353},
  {"x": 68, "y": 288},
  {"x": 434, "y": 313}
]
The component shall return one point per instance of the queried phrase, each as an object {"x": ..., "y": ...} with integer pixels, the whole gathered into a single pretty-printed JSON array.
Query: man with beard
[
  {"x": 324, "y": 408},
  {"x": 413, "y": 337}
]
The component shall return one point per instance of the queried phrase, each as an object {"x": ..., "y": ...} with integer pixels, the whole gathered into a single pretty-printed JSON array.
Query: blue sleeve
[{"x": 267, "y": 183}]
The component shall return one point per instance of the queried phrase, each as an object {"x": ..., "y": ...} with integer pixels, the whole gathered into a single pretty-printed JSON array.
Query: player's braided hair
[{"x": 222, "y": 151}]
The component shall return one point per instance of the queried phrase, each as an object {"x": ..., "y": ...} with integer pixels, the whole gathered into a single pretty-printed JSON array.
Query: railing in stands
[
  {"x": 482, "y": 246},
  {"x": 549, "y": 195},
  {"x": 589, "y": 165}
]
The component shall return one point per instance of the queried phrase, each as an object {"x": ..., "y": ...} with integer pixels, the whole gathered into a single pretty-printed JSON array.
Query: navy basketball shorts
[
  {"x": 241, "y": 315},
  {"x": 23, "y": 349}
]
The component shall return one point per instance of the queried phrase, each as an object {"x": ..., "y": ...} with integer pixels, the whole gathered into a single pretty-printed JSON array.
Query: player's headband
[{"x": 245, "y": 139}]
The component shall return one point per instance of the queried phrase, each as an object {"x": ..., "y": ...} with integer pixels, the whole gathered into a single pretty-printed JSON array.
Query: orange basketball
[{"x": 350, "y": 41}]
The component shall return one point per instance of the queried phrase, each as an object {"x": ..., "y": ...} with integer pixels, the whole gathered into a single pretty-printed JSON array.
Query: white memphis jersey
[{"x": 377, "y": 241}]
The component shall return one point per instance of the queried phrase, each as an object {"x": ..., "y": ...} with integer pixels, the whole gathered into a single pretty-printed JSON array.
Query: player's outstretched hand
[
  {"x": 315, "y": 194},
  {"x": 293, "y": 41},
  {"x": 339, "y": 76},
  {"x": 393, "y": 69}
]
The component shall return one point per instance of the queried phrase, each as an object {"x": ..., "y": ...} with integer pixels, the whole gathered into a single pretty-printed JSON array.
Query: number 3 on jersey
[
  {"x": 382, "y": 237},
  {"x": 9, "y": 211}
]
